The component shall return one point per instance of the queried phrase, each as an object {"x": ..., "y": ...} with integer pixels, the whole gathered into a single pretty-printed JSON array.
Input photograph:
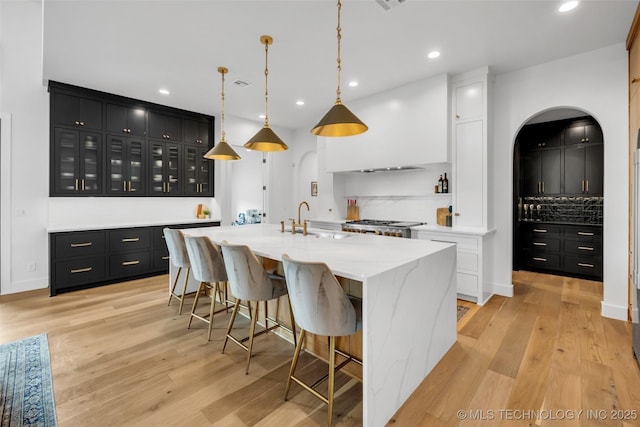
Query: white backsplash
[{"x": 404, "y": 195}]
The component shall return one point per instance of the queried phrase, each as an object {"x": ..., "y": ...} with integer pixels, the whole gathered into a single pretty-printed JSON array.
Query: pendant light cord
[
  {"x": 222, "y": 110},
  {"x": 338, "y": 93},
  {"x": 266, "y": 82}
]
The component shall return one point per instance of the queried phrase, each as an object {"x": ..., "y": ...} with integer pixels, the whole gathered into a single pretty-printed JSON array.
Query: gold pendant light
[
  {"x": 222, "y": 151},
  {"x": 266, "y": 139},
  {"x": 339, "y": 121}
]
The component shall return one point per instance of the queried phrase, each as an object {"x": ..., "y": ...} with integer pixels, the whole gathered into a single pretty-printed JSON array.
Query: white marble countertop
[
  {"x": 453, "y": 230},
  {"x": 87, "y": 227},
  {"x": 357, "y": 256}
]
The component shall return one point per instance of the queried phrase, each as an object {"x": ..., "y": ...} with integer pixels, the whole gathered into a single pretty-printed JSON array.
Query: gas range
[{"x": 381, "y": 227}]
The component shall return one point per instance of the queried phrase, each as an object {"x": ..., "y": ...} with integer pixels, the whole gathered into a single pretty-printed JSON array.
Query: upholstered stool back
[
  {"x": 177, "y": 249},
  {"x": 205, "y": 259}
]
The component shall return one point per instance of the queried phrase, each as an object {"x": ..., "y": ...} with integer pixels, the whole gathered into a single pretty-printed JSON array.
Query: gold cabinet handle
[
  {"x": 131, "y": 239},
  {"x": 124, "y": 130},
  {"x": 82, "y": 270},
  {"x": 124, "y": 185},
  {"x": 136, "y": 262},
  {"x": 585, "y": 248},
  {"x": 584, "y": 264},
  {"x": 539, "y": 230},
  {"x": 456, "y": 214},
  {"x": 539, "y": 244},
  {"x": 582, "y": 186},
  {"x": 164, "y": 258},
  {"x": 584, "y": 233},
  {"x": 542, "y": 187},
  {"x": 129, "y": 185},
  {"x": 168, "y": 187},
  {"x": 76, "y": 184},
  {"x": 77, "y": 123},
  {"x": 82, "y": 184},
  {"x": 587, "y": 186},
  {"x": 539, "y": 259},
  {"x": 81, "y": 245}
]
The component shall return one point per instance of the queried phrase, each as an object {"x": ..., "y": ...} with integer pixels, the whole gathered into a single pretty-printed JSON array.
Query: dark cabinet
[
  {"x": 108, "y": 145},
  {"x": 166, "y": 167},
  {"x": 574, "y": 250},
  {"x": 76, "y": 111},
  {"x": 197, "y": 131},
  {"x": 77, "y": 162},
  {"x": 126, "y": 162},
  {"x": 81, "y": 259},
  {"x": 582, "y": 132},
  {"x": 126, "y": 120},
  {"x": 163, "y": 126},
  {"x": 584, "y": 169},
  {"x": 541, "y": 171},
  {"x": 198, "y": 173}
]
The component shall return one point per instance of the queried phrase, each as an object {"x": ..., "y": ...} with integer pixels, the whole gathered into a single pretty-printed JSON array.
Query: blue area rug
[{"x": 26, "y": 388}]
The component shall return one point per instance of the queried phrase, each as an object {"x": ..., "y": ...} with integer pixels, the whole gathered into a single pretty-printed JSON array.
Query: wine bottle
[
  {"x": 445, "y": 184},
  {"x": 440, "y": 184}
]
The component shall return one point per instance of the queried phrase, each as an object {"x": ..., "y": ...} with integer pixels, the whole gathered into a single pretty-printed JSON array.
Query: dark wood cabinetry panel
[
  {"x": 123, "y": 162},
  {"x": 76, "y": 111},
  {"x": 126, "y": 166},
  {"x": 77, "y": 162},
  {"x": 581, "y": 132},
  {"x": 81, "y": 259},
  {"x": 584, "y": 169},
  {"x": 126, "y": 120},
  {"x": 198, "y": 174},
  {"x": 166, "y": 127},
  {"x": 541, "y": 171},
  {"x": 197, "y": 131}
]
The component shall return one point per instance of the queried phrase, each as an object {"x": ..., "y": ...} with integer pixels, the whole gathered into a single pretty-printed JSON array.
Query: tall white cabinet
[{"x": 469, "y": 131}]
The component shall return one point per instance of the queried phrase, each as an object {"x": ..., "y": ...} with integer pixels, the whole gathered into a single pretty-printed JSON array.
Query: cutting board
[{"x": 441, "y": 216}]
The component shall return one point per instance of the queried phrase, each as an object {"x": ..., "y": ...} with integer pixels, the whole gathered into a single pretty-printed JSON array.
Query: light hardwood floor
[{"x": 121, "y": 357}]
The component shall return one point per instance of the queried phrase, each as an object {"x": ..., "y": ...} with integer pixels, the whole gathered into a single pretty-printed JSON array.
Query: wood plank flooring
[{"x": 121, "y": 357}]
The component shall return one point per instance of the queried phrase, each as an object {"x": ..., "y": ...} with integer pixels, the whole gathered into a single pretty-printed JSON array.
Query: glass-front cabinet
[
  {"x": 125, "y": 166},
  {"x": 165, "y": 171},
  {"x": 77, "y": 162},
  {"x": 198, "y": 172}
]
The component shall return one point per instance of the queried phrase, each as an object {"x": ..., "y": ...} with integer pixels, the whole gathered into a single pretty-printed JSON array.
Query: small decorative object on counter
[
  {"x": 445, "y": 184},
  {"x": 440, "y": 183},
  {"x": 353, "y": 210},
  {"x": 449, "y": 219}
]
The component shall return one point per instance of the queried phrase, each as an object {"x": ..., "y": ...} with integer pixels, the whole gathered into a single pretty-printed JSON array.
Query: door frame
[{"x": 5, "y": 201}]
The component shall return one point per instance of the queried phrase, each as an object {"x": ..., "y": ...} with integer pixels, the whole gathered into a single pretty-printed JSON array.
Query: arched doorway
[{"x": 558, "y": 185}]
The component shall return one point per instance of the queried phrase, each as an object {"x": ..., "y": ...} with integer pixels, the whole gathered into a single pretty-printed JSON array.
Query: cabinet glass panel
[
  {"x": 136, "y": 167},
  {"x": 157, "y": 162},
  {"x": 67, "y": 152},
  {"x": 116, "y": 166},
  {"x": 204, "y": 165},
  {"x": 191, "y": 170},
  {"x": 173, "y": 168},
  {"x": 91, "y": 163}
]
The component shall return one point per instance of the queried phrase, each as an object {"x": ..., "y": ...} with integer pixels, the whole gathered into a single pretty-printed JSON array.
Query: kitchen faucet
[{"x": 300, "y": 206}]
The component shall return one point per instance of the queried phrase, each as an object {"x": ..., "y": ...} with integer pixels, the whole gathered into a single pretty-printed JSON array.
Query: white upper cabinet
[
  {"x": 469, "y": 102},
  {"x": 408, "y": 126}
]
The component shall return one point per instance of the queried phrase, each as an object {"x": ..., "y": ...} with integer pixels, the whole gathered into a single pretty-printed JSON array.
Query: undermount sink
[{"x": 325, "y": 234}]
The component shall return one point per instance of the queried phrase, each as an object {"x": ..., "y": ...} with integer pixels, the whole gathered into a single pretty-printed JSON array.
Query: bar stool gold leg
[
  {"x": 252, "y": 330},
  {"x": 195, "y": 303},
  {"x": 332, "y": 374},
  {"x": 212, "y": 309},
  {"x": 293, "y": 322},
  {"x": 231, "y": 320},
  {"x": 175, "y": 283},
  {"x": 184, "y": 290},
  {"x": 294, "y": 362}
]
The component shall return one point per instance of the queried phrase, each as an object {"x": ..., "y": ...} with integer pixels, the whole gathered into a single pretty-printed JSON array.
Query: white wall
[
  {"x": 595, "y": 82},
  {"x": 25, "y": 99}
]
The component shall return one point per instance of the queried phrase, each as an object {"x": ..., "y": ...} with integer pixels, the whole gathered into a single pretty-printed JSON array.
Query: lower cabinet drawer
[
  {"x": 79, "y": 244},
  {"x": 467, "y": 261},
  {"x": 467, "y": 284},
  {"x": 129, "y": 264},
  {"x": 129, "y": 239},
  {"x": 79, "y": 272},
  {"x": 541, "y": 260},
  {"x": 587, "y": 265},
  {"x": 587, "y": 249},
  {"x": 161, "y": 260}
]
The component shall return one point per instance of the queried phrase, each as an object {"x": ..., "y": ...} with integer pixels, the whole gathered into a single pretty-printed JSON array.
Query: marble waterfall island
[{"x": 409, "y": 300}]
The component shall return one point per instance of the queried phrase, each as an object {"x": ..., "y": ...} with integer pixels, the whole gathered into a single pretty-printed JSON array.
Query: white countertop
[
  {"x": 358, "y": 256},
  {"x": 453, "y": 230},
  {"x": 103, "y": 226}
]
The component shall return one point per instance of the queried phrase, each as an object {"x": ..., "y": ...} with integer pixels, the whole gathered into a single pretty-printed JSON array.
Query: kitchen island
[{"x": 409, "y": 300}]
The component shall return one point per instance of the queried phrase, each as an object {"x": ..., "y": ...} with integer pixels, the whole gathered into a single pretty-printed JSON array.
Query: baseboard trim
[
  {"x": 504, "y": 290},
  {"x": 25, "y": 285},
  {"x": 618, "y": 312}
]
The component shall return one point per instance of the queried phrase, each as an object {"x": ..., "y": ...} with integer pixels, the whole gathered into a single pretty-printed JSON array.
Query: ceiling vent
[
  {"x": 388, "y": 4},
  {"x": 240, "y": 83}
]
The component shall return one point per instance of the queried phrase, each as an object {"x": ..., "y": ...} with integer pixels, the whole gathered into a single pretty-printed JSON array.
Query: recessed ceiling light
[
  {"x": 565, "y": 7},
  {"x": 300, "y": 102},
  {"x": 164, "y": 91},
  {"x": 433, "y": 54},
  {"x": 353, "y": 83}
]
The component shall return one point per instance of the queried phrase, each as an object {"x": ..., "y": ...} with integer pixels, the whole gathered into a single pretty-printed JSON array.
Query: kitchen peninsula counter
[{"x": 409, "y": 300}]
